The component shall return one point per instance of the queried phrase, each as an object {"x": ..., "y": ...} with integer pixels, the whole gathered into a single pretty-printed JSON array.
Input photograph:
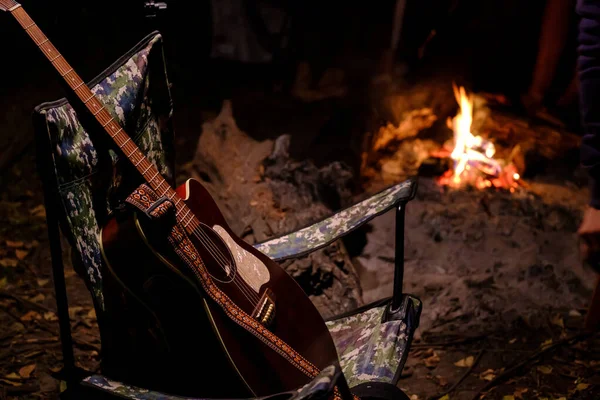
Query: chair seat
[{"x": 370, "y": 348}]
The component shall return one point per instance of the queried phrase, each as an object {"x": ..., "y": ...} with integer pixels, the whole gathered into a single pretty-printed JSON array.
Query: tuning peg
[{"x": 153, "y": 7}]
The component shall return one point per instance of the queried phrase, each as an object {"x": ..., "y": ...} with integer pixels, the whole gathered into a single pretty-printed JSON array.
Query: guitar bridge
[{"x": 265, "y": 310}]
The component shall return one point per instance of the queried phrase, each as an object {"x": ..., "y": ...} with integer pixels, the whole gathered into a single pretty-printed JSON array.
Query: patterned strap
[{"x": 145, "y": 199}]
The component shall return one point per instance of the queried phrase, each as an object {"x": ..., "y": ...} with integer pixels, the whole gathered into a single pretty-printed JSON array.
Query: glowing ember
[{"x": 473, "y": 156}]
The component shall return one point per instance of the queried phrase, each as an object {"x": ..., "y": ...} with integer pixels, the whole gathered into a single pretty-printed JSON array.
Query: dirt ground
[{"x": 504, "y": 294}]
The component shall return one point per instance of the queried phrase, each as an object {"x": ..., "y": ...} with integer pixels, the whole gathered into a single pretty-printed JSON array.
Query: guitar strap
[{"x": 145, "y": 199}]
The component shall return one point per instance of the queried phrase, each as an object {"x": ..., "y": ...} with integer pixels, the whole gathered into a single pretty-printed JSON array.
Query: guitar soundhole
[{"x": 216, "y": 255}]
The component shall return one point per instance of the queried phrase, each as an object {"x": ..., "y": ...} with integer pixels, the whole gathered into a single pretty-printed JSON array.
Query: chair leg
[{"x": 399, "y": 258}]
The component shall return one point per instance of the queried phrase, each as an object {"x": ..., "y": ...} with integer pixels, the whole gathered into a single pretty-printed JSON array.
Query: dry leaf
[
  {"x": 562, "y": 398},
  {"x": 3, "y": 282},
  {"x": 10, "y": 243},
  {"x": 508, "y": 397},
  {"x": 444, "y": 397},
  {"x": 26, "y": 371},
  {"x": 546, "y": 343},
  {"x": 433, "y": 361},
  {"x": 574, "y": 313},
  {"x": 38, "y": 211},
  {"x": 558, "y": 321},
  {"x": 74, "y": 310},
  {"x": 17, "y": 327},
  {"x": 38, "y": 297},
  {"x": 10, "y": 382},
  {"x": 50, "y": 316},
  {"x": 488, "y": 375},
  {"x": 582, "y": 386},
  {"x": 32, "y": 244},
  {"x": 42, "y": 282},
  {"x": 55, "y": 369},
  {"x": 465, "y": 362},
  {"x": 512, "y": 341},
  {"x": 12, "y": 375},
  {"x": 442, "y": 380},
  {"x": 21, "y": 254},
  {"x": 519, "y": 392},
  {"x": 31, "y": 315},
  {"x": 9, "y": 262},
  {"x": 545, "y": 369},
  {"x": 92, "y": 313}
]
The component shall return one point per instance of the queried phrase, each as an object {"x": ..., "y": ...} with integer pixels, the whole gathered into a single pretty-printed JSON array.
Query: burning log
[{"x": 473, "y": 156}]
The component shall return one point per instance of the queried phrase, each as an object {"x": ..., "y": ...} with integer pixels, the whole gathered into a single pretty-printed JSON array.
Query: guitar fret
[
  {"x": 186, "y": 214},
  {"x": 108, "y": 122},
  {"x": 78, "y": 86},
  {"x": 40, "y": 44},
  {"x": 138, "y": 163},
  {"x": 68, "y": 72},
  {"x": 125, "y": 142},
  {"x": 146, "y": 170},
  {"x": 52, "y": 60},
  {"x": 97, "y": 112},
  {"x": 88, "y": 99},
  {"x": 13, "y": 8},
  {"x": 29, "y": 26},
  {"x": 154, "y": 176}
]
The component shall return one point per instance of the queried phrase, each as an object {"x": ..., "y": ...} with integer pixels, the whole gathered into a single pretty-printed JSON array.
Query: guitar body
[{"x": 161, "y": 300}]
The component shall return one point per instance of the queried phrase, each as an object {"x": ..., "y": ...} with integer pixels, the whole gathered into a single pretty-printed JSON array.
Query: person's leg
[{"x": 553, "y": 36}]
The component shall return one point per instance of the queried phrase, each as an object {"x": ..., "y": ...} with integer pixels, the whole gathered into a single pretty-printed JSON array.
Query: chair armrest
[{"x": 328, "y": 230}]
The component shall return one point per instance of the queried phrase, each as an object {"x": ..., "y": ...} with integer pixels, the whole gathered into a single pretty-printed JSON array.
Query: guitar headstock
[{"x": 8, "y": 5}]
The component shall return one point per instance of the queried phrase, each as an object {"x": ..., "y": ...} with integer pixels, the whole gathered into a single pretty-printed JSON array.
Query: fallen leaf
[
  {"x": 92, "y": 313},
  {"x": 17, "y": 327},
  {"x": 42, "y": 282},
  {"x": 10, "y": 382},
  {"x": 38, "y": 211},
  {"x": 3, "y": 283},
  {"x": 582, "y": 386},
  {"x": 558, "y": 321},
  {"x": 414, "y": 397},
  {"x": 512, "y": 341},
  {"x": 21, "y": 254},
  {"x": 26, "y": 371},
  {"x": 9, "y": 262},
  {"x": 12, "y": 375},
  {"x": 10, "y": 243},
  {"x": 93, "y": 353},
  {"x": 574, "y": 313},
  {"x": 488, "y": 375},
  {"x": 465, "y": 362},
  {"x": 31, "y": 315},
  {"x": 562, "y": 398},
  {"x": 545, "y": 369},
  {"x": 442, "y": 380},
  {"x": 50, "y": 316},
  {"x": 519, "y": 392},
  {"x": 444, "y": 397},
  {"x": 546, "y": 343},
  {"x": 74, "y": 310},
  {"x": 508, "y": 397},
  {"x": 32, "y": 244},
  {"x": 55, "y": 369},
  {"x": 433, "y": 361},
  {"x": 38, "y": 297}
]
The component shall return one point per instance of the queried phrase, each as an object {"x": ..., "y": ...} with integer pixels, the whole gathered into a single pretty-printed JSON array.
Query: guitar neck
[{"x": 104, "y": 118}]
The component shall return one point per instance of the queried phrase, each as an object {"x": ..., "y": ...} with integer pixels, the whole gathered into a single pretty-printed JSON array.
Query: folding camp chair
[{"x": 81, "y": 182}]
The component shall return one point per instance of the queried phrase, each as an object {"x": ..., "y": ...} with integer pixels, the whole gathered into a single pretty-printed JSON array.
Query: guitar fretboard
[{"x": 97, "y": 109}]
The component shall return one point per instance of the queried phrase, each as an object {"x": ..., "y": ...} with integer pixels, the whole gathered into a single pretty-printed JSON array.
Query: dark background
[{"x": 491, "y": 45}]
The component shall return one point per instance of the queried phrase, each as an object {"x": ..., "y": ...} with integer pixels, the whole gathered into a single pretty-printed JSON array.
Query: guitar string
[{"x": 254, "y": 299}]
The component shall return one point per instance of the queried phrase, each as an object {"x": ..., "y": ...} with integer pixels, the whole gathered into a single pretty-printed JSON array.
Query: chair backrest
[{"x": 83, "y": 172}]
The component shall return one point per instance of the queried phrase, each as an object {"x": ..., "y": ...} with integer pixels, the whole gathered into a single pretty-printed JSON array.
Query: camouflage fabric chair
[{"x": 83, "y": 182}]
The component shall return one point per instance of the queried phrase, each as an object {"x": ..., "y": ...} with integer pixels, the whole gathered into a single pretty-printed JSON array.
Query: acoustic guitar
[{"x": 165, "y": 332}]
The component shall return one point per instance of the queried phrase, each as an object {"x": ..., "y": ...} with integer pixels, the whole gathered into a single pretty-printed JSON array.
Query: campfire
[{"x": 473, "y": 156}]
